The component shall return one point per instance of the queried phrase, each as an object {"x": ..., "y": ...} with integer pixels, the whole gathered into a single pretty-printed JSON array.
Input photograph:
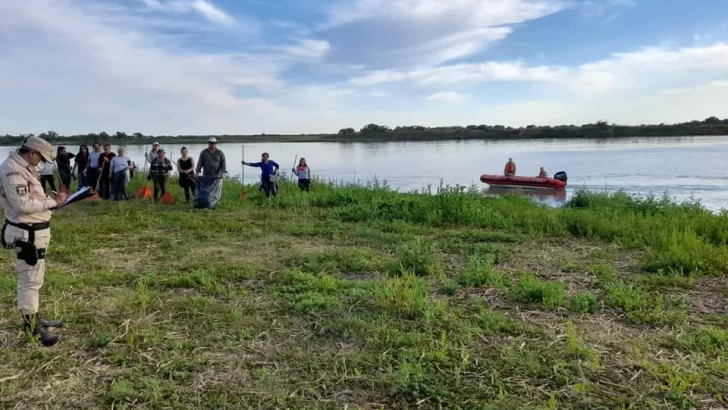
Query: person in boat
[
  {"x": 542, "y": 173},
  {"x": 510, "y": 169}
]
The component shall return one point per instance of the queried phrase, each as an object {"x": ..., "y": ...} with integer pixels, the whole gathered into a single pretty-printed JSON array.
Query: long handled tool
[
  {"x": 243, "y": 192},
  {"x": 144, "y": 191},
  {"x": 57, "y": 174},
  {"x": 294, "y": 166}
]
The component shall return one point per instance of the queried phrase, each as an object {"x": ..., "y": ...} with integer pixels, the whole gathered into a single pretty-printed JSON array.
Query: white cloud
[
  {"x": 476, "y": 12},
  {"x": 308, "y": 49},
  {"x": 446, "y": 96},
  {"x": 423, "y": 33},
  {"x": 110, "y": 75},
  {"x": 598, "y": 8},
  {"x": 649, "y": 67},
  {"x": 380, "y": 94},
  {"x": 202, "y": 7},
  {"x": 466, "y": 74}
]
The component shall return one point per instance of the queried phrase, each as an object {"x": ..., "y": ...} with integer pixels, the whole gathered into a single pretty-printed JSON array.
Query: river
[{"x": 681, "y": 167}]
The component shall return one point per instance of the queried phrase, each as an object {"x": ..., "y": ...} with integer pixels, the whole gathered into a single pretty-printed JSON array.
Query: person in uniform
[{"x": 27, "y": 228}]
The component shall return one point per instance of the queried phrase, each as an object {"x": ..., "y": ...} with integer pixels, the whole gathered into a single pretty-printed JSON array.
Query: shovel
[
  {"x": 243, "y": 193},
  {"x": 144, "y": 191}
]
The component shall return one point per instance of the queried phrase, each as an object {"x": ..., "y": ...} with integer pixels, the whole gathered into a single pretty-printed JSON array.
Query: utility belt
[{"x": 29, "y": 253}]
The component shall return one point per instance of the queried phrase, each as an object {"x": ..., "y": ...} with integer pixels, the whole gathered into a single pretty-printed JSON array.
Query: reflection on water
[{"x": 552, "y": 197}]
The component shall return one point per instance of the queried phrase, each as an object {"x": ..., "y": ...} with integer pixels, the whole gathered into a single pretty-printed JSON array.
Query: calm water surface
[{"x": 681, "y": 167}]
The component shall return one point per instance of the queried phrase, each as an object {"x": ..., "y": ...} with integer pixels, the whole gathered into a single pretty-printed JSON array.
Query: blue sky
[{"x": 295, "y": 66}]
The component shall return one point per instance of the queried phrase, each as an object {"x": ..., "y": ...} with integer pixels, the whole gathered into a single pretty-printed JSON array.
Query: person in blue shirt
[{"x": 268, "y": 169}]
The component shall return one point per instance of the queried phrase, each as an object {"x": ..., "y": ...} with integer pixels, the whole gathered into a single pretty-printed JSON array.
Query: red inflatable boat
[{"x": 559, "y": 181}]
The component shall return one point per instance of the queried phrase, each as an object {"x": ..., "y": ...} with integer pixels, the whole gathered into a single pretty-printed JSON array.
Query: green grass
[{"x": 361, "y": 297}]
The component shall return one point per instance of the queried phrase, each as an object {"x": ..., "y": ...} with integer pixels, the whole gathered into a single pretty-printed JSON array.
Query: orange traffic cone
[
  {"x": 167, "y": 199},
  {"x": 144, "y": 192}
]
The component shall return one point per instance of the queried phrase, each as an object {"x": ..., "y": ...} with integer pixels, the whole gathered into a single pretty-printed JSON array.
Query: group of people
[
  {"x": 510, "y": 170},
  {"x": 269, "y": 174},
  {"x": 109, "y": 173},
  {"x": 106, "y": 172},
  {"x": 28, "y": 210}
]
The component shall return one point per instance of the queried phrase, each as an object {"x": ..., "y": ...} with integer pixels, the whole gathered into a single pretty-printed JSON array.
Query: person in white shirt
[
  {"x": 46, "y": 176},
  {"x": 119, "y": 175}
]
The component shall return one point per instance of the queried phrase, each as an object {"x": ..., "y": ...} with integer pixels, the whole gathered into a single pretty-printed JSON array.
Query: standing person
[
  {"x": 510, "y": 169},
  {"x": 92, "y": 170},
  {"x": 63, "y": 159},
  {"x": 46, "y": 176},
  {"x": 210, "y": 169},
  {"x": 120, "y": 168},
  {"x": 186, "y": 169},
  {"x": 79, "y": 166},
  {"x": 27, "y": 230},
  {"x": 268, "y": 169},
  {"x": 154, "y": 154},
  {"x": 159, "y": 173},
  {"x": 304, "y": 175},
  {"x": 105, "y": 172}
]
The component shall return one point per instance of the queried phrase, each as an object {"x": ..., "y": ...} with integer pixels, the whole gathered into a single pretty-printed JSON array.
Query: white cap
[
  {"x": 212, "y": 139},
  {"x": 155, "y": 143}
]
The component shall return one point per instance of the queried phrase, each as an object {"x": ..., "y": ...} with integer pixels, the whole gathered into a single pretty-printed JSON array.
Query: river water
[{"x": 682, "y": 167}]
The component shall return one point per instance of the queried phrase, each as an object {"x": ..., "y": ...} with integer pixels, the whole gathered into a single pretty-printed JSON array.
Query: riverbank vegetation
[
  {"x": 365, "y": 298},
  {"x": 375, "y": 132}
]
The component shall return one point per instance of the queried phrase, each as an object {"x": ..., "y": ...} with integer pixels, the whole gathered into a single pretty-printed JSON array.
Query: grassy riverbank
[{"x": 375, "y": 299}]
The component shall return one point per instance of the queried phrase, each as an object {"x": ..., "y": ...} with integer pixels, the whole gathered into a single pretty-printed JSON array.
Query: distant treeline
[{"x": 375, "y": 132}]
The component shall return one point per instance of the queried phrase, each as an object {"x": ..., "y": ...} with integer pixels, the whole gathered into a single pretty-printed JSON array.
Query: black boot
[
  {"x": 33, "y": 325},
  {"x": 48, "y": 323}
]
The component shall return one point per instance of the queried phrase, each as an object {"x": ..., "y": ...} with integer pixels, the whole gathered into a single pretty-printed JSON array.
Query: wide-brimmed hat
[{"x": 43, "y": 147}]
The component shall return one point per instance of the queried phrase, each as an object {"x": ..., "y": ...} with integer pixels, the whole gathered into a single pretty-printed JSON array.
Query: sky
[{"x": 177, "y": 67}]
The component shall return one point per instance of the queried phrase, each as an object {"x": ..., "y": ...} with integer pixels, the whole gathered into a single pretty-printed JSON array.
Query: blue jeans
[{"x": 118, "y": 184}]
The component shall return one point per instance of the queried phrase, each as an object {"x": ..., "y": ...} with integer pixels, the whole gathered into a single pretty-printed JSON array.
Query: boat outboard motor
[{"x": 561, "y": 176}]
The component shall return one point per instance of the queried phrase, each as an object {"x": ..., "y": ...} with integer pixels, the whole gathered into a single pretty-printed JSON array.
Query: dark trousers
[
  {"x": 65, "y": 175},
  {"x": 269, "y": 187},
  {"x": 92, "y": 176},
  {"x": 105, "y": 186},
  {"x": 48, "y": 179},
  {"x": 118, "y": 183},
  {"x": 188, "y": 184},
  {"x": 304, "y": 184},
  {"x": 160, "y": 186}
]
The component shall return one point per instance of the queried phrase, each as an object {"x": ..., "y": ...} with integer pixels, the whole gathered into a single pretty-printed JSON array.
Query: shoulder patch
[{"x": 21, "y": 189}]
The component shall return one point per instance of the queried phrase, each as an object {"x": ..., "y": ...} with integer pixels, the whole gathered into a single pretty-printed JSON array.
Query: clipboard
[{"x": 81, "y": 194}]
